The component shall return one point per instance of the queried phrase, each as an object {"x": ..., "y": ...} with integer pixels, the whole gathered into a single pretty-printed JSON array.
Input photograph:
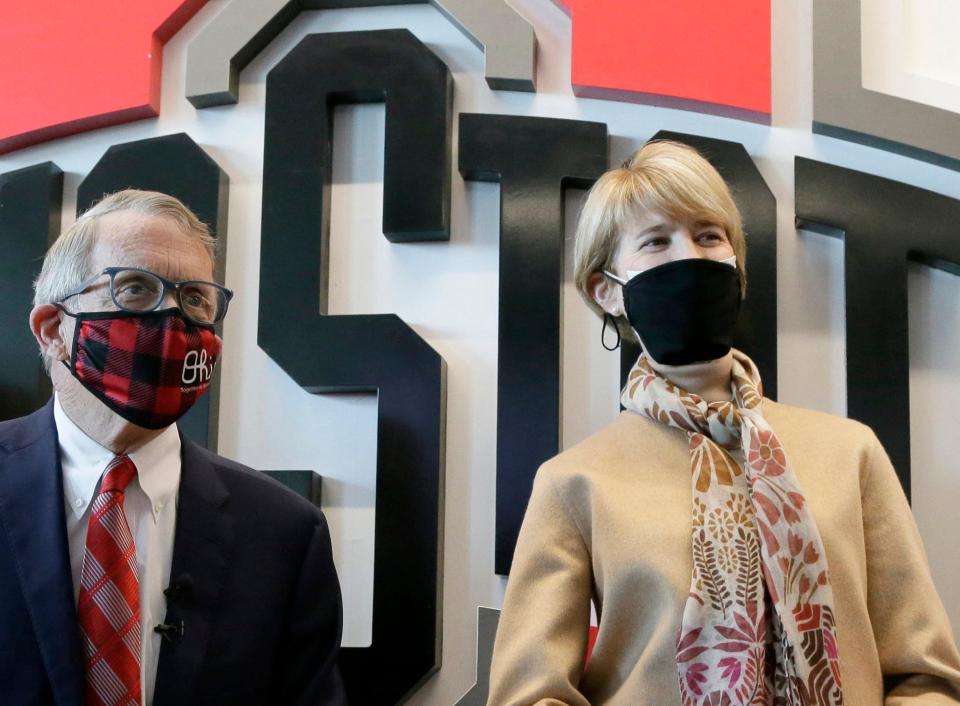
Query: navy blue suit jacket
[{"x": 261, "y": 617}]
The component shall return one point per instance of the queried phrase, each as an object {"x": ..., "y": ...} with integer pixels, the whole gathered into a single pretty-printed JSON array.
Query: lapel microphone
[
  {"x": 178, "y": 590},
  {"x": 170, "y": 632}
]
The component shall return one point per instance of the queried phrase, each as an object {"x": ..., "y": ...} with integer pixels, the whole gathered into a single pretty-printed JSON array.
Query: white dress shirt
[{"x": 150, "y": 505}]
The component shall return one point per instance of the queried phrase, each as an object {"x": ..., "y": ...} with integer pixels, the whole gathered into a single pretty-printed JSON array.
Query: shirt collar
[
  {"x": 83, "y": 461},
  {"x": 158, "y": 468}
]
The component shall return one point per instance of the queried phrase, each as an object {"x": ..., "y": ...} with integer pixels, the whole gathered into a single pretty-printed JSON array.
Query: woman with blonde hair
[{"x": 737, "y": 550}]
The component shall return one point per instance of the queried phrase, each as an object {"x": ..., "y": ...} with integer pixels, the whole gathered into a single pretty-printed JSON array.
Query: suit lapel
[
  {"x": 201, "y": 549},
  {"x": 32, "y": 514}
]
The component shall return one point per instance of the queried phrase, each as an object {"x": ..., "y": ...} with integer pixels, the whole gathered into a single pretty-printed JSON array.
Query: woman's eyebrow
[{"x": 659, "y": 228}]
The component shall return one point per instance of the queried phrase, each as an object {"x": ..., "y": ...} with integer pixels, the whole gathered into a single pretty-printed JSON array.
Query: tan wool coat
[{"x": 609, "y": 520}]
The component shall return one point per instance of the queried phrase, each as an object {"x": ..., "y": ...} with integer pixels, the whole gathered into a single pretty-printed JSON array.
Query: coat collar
[
  {"x": 32, "y": 515},
  {"x": 201, "y": 550}
]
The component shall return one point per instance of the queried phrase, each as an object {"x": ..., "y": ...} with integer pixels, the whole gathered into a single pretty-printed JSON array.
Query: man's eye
[
  {"x": 133, "y": 291},
  {"x": 196, "y": 301}
]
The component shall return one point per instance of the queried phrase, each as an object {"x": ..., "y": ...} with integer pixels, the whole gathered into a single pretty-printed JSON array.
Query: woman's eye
[
  {"x": 711, "y": 235},
  {"x": 653, "y": 242}
]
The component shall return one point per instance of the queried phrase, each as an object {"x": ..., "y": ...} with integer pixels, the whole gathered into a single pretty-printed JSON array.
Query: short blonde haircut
[
  {"x": 67, "y": 264},
  {"x": 663, "y": 176}
]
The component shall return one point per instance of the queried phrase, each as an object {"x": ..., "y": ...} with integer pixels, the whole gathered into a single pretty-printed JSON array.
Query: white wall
[
  {"x": 909, "y": 50},
  {"x": 448, "y": 294}
]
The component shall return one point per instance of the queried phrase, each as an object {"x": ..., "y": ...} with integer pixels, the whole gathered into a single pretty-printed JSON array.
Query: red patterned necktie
[{"x": 109, "y": 605}]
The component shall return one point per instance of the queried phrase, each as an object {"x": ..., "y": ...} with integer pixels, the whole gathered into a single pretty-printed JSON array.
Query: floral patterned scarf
[{"x": 758, "y": 625}]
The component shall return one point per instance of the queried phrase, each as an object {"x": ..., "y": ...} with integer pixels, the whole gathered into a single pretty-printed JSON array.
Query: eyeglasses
[{"x": 136, "y": 290}]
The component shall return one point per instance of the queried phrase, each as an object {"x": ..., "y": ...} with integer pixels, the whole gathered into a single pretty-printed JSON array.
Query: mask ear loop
[
  {"x": 69, "y": 364},
  {"x": 603, "y": 332}
]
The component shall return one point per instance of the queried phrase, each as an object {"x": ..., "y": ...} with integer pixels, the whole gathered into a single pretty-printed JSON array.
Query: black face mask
[{"x": 684, "y": 311}]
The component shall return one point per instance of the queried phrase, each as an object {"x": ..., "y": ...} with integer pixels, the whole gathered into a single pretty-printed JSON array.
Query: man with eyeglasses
[{"x": 135, "y": 566}]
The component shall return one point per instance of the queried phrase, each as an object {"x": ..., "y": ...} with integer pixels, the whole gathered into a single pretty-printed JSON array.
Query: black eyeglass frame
[{"x": 168, "y": 285}]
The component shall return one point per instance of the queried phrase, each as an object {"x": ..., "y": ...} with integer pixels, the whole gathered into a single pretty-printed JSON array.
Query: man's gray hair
[{"x": 67, "y": 264}]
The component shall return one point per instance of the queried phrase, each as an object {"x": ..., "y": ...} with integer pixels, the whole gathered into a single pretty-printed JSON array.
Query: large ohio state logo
[{"x": 534, "y": 159}]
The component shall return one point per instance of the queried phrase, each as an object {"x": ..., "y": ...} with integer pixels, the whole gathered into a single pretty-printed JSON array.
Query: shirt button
[
  {"x": 158, "y": 507},
  {"x": 78, "y": 502}
]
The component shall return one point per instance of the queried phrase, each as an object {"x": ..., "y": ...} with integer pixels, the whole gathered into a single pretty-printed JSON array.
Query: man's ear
[
  {"x": 45, "y": 320},
  {"x": 605, "y": 292}
]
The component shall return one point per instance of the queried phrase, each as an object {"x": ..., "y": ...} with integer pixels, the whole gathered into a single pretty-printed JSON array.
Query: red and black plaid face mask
[{"x": 147, "y": 367}]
